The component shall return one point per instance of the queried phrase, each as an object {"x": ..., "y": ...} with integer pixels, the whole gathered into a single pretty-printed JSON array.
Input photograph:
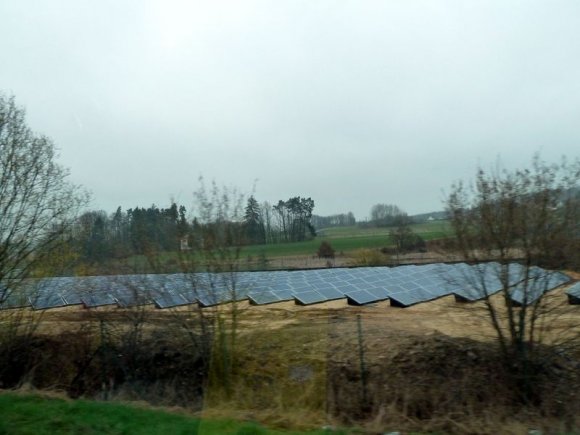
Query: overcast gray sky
[{"x": 349, "y": 102}]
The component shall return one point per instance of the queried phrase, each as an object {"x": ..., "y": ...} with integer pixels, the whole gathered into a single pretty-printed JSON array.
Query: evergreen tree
[{"x": 253, "y": 223}]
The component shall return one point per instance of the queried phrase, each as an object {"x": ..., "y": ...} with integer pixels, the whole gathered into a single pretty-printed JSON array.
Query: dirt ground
[{"x": 443, "y": 315}]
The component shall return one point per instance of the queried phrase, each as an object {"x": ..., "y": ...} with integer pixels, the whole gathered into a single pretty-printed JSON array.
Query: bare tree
[
  {"x": 37, "y": 207},
  {"x": 507, "y": 224},
  {"x": 37, "y": 201},
  {"x": 210, "y": 275},
  {"x": 403, "y": 237}
]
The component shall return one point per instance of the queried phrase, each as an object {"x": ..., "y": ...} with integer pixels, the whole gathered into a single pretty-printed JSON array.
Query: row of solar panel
[{"x": 404, "y": 286}]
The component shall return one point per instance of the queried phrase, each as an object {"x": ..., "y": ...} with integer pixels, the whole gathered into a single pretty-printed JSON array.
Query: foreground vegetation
[
  {"x": 287, "y": 369},
  {"x": 35, "y": 414}
]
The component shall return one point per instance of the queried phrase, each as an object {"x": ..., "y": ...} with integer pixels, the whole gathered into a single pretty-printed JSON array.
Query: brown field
[{"x": 313, "y": 262}]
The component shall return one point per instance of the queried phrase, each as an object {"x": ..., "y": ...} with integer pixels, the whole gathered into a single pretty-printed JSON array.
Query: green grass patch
[
  {"x": 346, "y": 239},
  {"x": 310, "y": 247},
  {"x": 428, "y": 230},
  {"x": 37, "y": 415}
]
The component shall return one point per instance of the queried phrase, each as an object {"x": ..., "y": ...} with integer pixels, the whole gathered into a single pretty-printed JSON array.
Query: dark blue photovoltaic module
[
  {"x": 263, "y": 298},
  {"x": 361, "y": 297},
  {"x": 403, "y": 285},
  {"x": 309, "y": 297},
  {"x": 574, "y": 290}
]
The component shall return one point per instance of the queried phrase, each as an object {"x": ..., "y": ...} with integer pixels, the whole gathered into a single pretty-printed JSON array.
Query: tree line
[
  {"x": 335, "y": 220},
  {"x": 96, "y": 236}
]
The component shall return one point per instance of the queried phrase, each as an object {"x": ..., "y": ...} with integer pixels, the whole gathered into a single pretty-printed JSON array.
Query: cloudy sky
[{"x": 349, "y": 102}]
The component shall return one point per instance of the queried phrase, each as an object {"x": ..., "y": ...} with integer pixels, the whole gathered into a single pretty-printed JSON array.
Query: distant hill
[{"x": 442, "y": 215}]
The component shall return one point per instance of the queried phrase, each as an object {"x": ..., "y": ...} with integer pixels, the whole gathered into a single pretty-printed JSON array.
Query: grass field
[
  {"x": 346, "y": 239},
  {"x": 31, "y": 414},
  {"x": 428, "y": 230}
]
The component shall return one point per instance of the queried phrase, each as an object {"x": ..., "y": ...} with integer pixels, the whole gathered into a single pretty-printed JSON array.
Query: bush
[
  {"x": 414, "y": 243},
  {"x": 325, "y": 250},
  {"x": 369, "y": 257}
]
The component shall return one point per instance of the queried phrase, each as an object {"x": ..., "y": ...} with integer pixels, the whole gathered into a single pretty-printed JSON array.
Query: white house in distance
[{"x": 184, "y": 244}]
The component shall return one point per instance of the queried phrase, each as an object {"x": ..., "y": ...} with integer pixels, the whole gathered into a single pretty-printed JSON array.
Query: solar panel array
[{"x": 403, "y": 286}]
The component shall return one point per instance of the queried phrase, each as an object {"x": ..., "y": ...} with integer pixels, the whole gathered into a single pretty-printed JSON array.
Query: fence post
[{"x": 361, "y": 354}]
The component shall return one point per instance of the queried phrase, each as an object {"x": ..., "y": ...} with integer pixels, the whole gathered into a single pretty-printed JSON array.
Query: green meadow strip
[{"x": 22, "y": 414}]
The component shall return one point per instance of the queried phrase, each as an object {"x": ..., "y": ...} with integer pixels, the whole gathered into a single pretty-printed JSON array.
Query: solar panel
[
  {"x": 280, "y": 285},
  {"x": 557, "y": 279},
  {"x": 296, "y": 280},
  {"x": 356, "y": 282},
  {"x": 284, "y": 295},
  {"x": 170, "y": 300},
  {"x": 209, "y": 299},
  {"x": 321, "y": 285},
  {"x": 541, "y": 283},
  {"x": 424, "y": 281},
  {"x": 574, "y": 290},
  {"x": 71, "y": 298},
  {"x": 341, "y": 275},
  {"x": 436, "y": 290},
  {"x": 240, "y": 293},
  {"x": 574, "y": 294},
  {"x": 3, "y": 292},
  {"x": 263, "y": 298},
  {"x": 409, "y": 286},
  {"x": 423, "y": 295},
  {"x": 93, "y": 285},
  {"x": 397, "y": 276},
  {"x": 404, "y": 299},
  {"x": 190, "y": 295},
  {"x": 16, "y": 299},
  {"x": 525, "y": 295},
  {"x": 301, "y": 288},
  {"x": 261, "y": 287},
  {"x": 218, "y": 290},
  {"x": 378, "y": 292},
  {"x": 360, "y": 297},
  {"x": 331, "y": 293},
  {"x": 375, "y": 279},
  {"x": 470, "y": 283},
  {"x": 47, "y": 300},
  {"x": 97, "y": 300},
  {"x": 470, "y": 294},
  {"x": 131, "y": 297},
  {"x": 344, "y": 287},
  {"x": 315, "y": 281},
  {"x": 309, "y": 297}
]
